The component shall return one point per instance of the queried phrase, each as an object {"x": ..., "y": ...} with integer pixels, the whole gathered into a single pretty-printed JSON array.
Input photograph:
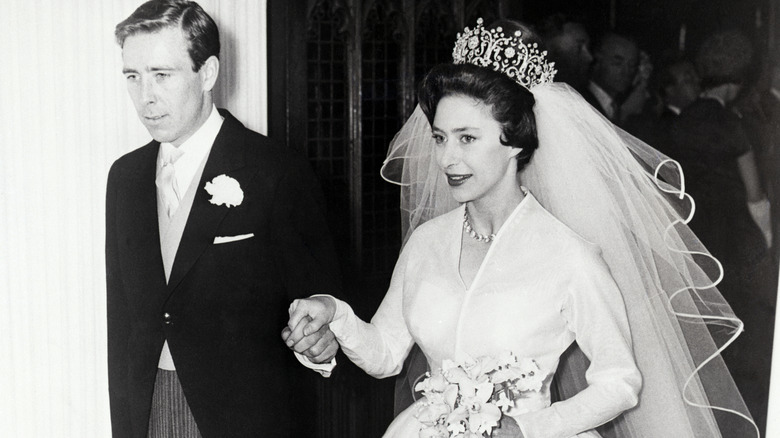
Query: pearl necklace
[{"x": 467, "y": 226}]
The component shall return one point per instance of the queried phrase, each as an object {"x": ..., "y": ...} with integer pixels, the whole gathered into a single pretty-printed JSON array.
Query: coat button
[{"x": 167, "y": 318}]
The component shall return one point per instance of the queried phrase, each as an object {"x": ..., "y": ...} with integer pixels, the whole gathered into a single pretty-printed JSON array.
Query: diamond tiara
[{"x": 523, "y": 63}]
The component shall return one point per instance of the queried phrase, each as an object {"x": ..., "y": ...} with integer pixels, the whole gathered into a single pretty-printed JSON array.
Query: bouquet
[{"x": 467, "y": 400}]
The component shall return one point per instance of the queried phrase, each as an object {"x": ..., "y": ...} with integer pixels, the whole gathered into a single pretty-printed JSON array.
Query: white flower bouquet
[{"x": 467, "y": 400}]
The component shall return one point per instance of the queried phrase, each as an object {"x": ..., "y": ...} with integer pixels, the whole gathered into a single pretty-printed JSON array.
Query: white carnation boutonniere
[{"x": 225, "y": 190}]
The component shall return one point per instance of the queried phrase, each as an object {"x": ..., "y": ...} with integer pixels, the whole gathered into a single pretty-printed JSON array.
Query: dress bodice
[
  {"x": 539, "y": 288},
  {"x": 514, "y": 303}
]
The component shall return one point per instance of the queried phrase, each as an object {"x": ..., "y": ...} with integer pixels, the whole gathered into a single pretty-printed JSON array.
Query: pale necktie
[{"x": 166, "y": 178}]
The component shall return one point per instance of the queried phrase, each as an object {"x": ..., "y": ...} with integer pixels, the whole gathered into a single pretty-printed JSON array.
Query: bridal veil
[{"x": 629, "y": 199}]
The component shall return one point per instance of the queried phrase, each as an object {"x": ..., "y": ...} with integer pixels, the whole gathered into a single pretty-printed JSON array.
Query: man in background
[
  {"x": 617, "y": 87},
  {"x": 211, "y": 231},
  {"x": 568, "y": 45},
  {"x": 677, "y": 85}
]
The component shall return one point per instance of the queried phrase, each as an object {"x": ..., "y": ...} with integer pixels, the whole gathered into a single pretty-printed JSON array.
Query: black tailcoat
[{"x": 226, "y": 303}]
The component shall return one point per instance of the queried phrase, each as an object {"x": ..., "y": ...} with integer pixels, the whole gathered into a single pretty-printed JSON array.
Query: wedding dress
[{"x": 538, "y": 289}]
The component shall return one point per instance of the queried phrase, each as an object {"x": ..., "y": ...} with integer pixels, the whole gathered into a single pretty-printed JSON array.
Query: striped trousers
[{"x": 171, "y": 416}]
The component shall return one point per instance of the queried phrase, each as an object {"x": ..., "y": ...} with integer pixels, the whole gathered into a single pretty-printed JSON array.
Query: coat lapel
[
  {"x": 226, "y": 156},
  {"x": 143, "y": 234}
]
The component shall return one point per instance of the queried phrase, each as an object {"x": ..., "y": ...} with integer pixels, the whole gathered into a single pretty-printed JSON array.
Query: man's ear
[{"x": 209, "y": 72}]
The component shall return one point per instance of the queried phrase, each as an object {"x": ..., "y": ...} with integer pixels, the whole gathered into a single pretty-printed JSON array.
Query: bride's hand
[
  {"x": 507, "y": 428},
  {"x": 307, "y": 330}
]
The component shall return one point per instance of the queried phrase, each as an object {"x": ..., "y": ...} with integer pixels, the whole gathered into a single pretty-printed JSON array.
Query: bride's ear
[{"x": 515, "y": 151}]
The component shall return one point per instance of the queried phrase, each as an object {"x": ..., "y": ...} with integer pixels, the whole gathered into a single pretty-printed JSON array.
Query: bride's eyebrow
[
  {"x": 465, "y": 128},
  {"x": 456, "y": 130}
]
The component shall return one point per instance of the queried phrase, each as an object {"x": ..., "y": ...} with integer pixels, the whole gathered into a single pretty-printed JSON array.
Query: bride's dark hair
[{"x": 511, "y": 104}]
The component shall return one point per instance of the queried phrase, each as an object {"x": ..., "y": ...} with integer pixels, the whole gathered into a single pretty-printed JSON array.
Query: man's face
[
  {"x": 171, "y": 99},
  {"x": 616, "y": 66},
  {"x": 686, "y": 87},
  {"x": 571, "y": 53}
]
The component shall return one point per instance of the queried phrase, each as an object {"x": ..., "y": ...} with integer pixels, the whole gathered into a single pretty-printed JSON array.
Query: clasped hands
[{"x": 308, "y": 332}]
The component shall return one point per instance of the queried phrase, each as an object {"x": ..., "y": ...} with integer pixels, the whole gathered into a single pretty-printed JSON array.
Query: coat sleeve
[
  {"x": 594, "y": 311},
  {"x": 300, "y": 227},
  {"x": 117, "y": 314}
]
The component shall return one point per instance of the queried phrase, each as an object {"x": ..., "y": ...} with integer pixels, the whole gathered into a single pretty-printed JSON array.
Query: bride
[{"x": 510, "y": 250}]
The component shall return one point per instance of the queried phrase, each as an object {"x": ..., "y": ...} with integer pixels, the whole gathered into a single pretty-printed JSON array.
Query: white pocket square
[{"x": 226, "y": 239}]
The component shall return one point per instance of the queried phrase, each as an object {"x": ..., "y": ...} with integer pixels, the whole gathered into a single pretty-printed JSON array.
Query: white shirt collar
[
  {"x": 604, "y": 99},
  {"x": 195, "y": 149}
]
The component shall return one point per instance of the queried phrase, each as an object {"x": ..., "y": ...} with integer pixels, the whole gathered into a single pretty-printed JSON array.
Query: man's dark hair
[
  {"x": 198, "y": 27},
  {"x": 663, "y": 73},
  {"x": 611, "y": 36},
  {"x": 552, "y": 25},
  {"x": 724, "y": 57}
]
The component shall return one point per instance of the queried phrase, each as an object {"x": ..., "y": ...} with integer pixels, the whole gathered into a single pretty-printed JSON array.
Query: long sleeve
[
  {"x": 306, "y": 252},
  {"x": 379, "y": 347},
  {"x": 594, "y": 310}
]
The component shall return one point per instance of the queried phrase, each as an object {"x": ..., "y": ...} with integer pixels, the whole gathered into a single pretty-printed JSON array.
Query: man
[
  {"x": 568, "y": 45},
  {"x": 211, "y": 231},
  {"x": 612, "y": 88},
  {"x": 677, "y": 86}
]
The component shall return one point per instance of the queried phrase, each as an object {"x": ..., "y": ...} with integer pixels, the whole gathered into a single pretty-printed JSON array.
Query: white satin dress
[{"x": 539, "y": 288}]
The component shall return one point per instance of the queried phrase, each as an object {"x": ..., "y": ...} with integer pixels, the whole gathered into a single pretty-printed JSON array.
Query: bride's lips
[{"x": 456, "y": 180}]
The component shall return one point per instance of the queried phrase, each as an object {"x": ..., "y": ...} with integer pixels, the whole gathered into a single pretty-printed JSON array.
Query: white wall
[{"x": 64, "y": 118}]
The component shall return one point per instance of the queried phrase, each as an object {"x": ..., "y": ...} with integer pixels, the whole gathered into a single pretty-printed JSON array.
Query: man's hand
[
  {"x": 323, "y": 349},
  {"x": 307, "y": 330}
]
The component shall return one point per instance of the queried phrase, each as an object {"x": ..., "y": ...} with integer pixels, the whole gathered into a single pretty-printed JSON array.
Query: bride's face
[{"x": 469, "y": 149}]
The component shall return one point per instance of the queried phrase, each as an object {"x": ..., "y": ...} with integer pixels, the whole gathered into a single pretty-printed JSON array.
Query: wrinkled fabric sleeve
[
  {"x": 379, "y": 347},
  {"x": 594, "y": 310}
]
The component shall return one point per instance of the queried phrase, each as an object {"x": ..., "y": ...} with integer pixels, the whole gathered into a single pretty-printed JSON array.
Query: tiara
[{"x": 523, "y": 63}]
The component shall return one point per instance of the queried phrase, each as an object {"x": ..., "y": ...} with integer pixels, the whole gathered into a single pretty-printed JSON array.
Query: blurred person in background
[
  {"x": 759, "y": 108},
  {"x": 732, "y": 210},
  {"x": 619, "y": 78},
  {"x": 568, "y": 45},
  {"x": 676, "y": 85}
]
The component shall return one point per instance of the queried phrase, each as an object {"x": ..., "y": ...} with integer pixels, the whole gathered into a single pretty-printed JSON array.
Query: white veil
[{"x": 627, "y": 198}]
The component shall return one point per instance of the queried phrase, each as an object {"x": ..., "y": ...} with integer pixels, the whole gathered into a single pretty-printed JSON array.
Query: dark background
[{"x": 656, "y": 23}]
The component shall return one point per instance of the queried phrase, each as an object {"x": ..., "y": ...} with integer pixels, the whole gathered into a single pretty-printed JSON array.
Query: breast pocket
[
  {"x": 237, "y": 259},
  {"x": 221, "y": 240}
]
